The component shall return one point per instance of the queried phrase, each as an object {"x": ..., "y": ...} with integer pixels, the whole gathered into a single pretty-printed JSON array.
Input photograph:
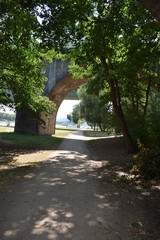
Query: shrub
[{"x": 146, "y": 163}]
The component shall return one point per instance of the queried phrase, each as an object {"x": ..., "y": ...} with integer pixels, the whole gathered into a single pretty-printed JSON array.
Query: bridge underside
[{"x": 24, "y": 121}]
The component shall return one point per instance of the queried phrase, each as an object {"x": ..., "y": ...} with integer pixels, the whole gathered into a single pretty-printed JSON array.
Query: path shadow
[{"x": 66, "y": 198}]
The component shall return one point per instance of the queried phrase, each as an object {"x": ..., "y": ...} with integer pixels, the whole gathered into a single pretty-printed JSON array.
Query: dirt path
[{"x": 67, "y": 198}]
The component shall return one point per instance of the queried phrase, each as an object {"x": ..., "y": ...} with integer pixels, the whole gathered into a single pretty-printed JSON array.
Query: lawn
[
  {"x": 8, "y": 137},
  {"x": 6, "y": 129}
]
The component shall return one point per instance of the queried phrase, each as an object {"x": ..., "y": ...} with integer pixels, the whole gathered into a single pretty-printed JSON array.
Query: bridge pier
[
  {"x": 26, "y": 123},
  {"x": 49, "y": 127}
]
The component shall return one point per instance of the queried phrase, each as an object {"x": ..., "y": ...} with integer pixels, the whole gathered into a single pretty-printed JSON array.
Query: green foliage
[
  {"x": 95, "y": 110},
  {"x": 121, "y": 33},
  {"x": 126, "y": 36},
  {"x": 138, "y": 126},
  {"x": 146, "y": 163},
  {"x": 69, "y": 117},
  {"x": 76, "y": 114},
  {"x": 21, "y": 76},
  {"x": 145, "y": 127},
  {"x": 53, "y": 54}
]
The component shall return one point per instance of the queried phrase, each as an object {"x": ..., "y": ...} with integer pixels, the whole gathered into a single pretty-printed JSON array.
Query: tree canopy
[
  {"x": 116, "y": 40},
  {"x": 21, "y": 76}
]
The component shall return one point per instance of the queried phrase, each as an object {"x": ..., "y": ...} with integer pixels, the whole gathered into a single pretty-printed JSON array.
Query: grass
[
  {"x": 63, "y": 132},
  {"x": 89, "y": 133},
  {"x": 20, "y": 152},
  {"x": 6, "y": 129},
  {"x": 7, "y": 136}
]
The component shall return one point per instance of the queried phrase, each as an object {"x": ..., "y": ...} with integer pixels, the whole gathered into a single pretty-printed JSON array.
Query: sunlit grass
[
  {"x": 6, "y": 129},
  {"x": 63, "y": 132}
]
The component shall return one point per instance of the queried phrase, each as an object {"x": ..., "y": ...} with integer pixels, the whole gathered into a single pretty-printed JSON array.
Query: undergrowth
[{"x": 145, "y": 165}]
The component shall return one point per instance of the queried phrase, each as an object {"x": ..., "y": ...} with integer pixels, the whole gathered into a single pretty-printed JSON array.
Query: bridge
[{"x": 58, "y": 86}]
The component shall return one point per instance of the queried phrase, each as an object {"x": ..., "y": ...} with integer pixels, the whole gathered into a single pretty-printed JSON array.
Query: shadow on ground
[{"x": 68, "y": 198}]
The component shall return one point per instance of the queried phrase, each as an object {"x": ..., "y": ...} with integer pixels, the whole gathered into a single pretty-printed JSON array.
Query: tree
[
  {"x": 97, "y": 31},
  {"x": 87, "y": 106},
  {"x": 69, "y": 117},
  {"x": 21, "y": 76},
  {"x": 103, "y": 36},
  {"x": 76, "y": 114},
  {"x": 94, "y": 109},
  {"x": 105, "y": 43}
]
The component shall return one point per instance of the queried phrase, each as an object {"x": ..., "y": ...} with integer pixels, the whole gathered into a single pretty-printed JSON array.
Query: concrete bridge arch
[
  {"x": 59, "y": 84},
  {"x": 57, "y": 94}
]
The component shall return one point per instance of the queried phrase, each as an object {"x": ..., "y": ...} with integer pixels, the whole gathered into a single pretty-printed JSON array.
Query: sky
[
  {"x": 66, "y": 108},
  {"x": 7, "y": 110}
]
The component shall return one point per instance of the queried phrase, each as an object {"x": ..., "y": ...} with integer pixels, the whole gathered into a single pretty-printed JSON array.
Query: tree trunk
[
  {"x": 100, "y": 126},
  {"x": 115, "y": 96},
  {"x": 119, "y": 114},
  {"x": 133, "y": 103},
  {"x": 147, "y": 97}
]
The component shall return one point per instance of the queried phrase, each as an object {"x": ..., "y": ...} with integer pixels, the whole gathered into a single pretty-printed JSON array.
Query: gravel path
[{"x": 66, "y": 198}]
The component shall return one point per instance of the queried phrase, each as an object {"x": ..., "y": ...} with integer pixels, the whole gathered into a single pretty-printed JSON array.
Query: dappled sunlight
[
  {"x": 53, "y": 220},
  {"x": 71, "y": 215},
  {"x": 71, "y": 196},
  {"x": 57, "y": 217},
  {"x": 34, "y": 157}
]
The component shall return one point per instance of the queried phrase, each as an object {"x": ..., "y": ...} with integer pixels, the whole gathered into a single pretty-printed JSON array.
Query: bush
[
  {"x": 146, "y": 163},
  {"x": 144, "y": 128}
]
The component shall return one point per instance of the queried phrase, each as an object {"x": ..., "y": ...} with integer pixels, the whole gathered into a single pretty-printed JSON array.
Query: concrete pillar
[
  {"x": 26, "y": 123},
  {"x": 48, "y": 126}
]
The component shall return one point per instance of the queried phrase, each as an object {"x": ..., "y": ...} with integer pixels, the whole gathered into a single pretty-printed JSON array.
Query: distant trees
[
  {"x": 69, "y": 117},
  {"x": 75, "y": 115},
  {"x": 7, "y": 116},
  {"x": 95, "y": 110}
]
